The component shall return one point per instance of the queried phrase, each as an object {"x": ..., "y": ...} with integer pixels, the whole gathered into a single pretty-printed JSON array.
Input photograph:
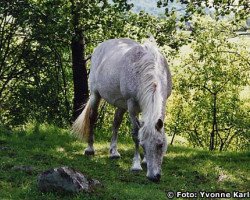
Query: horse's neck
[{"x": 150, "y": 97}]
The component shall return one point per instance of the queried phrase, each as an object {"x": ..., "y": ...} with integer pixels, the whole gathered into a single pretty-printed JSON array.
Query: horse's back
[{"x": 110, "y": 51}]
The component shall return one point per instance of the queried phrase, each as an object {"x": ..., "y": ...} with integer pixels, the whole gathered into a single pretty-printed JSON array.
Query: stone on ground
[{"x": 65, "y": 179}]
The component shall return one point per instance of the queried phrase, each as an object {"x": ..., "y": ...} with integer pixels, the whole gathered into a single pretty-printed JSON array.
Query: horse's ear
[{"x": 159, "y": 125}]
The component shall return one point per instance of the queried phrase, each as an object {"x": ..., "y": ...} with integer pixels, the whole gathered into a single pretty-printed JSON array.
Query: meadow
[{"x": 42, "y": 147}]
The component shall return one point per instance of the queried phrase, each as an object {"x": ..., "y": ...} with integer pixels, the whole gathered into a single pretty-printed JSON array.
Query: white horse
[{"x": 133, "y": 77}]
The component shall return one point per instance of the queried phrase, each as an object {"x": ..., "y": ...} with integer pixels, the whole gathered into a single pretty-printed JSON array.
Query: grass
[{"x": 45, "y": 147}]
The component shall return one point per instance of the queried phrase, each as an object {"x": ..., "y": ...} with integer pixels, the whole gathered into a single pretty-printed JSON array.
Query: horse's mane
[{"x": 149, "y": 95}]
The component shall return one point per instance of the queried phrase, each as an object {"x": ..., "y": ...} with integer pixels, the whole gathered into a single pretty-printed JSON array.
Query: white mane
[{"x": 149, "y": 95}]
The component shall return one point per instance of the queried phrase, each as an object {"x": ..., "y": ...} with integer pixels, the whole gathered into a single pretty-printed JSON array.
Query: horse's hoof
[
  {"x": 114, "y": 156},
  {"x": 136, "y": 169},
  {"x": 89, "y": 153}
]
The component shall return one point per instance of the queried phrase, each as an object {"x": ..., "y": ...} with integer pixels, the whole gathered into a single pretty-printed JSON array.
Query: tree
[
  {"x": 33, "y": 76},
  {"x": 240, "y": 9},
  {"x": 80, "y": 77},
  {"x": 210, "y": 81},
  {"x": 11, "y": 51}
]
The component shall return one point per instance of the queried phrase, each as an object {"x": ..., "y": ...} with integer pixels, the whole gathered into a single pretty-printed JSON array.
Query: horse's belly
[
  {"x": 114, "y": 99},
  {"x": 112, "y": 95}
]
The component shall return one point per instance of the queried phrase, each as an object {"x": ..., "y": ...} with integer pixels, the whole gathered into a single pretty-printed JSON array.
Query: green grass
[{"x": 45, "y": 147}]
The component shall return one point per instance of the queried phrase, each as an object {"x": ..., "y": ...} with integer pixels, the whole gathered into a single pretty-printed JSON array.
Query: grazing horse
[{"x": 133, "y": 77}]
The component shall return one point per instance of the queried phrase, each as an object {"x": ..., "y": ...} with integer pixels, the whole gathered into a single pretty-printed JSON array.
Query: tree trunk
[
  {"x": 80, "y": 76},
  {"x": 214, "y": 128},
  {"x": 172, "y": 140},
  {"x": 222, "y": 145}
]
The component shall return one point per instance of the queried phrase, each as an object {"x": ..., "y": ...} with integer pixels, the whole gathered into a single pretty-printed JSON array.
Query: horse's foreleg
[
  {"x": 136, "y": 166},
  {"x": 116, "y": 124},
  {"x": 94, "y": 103},
  {"x": 137, "y": 158}
]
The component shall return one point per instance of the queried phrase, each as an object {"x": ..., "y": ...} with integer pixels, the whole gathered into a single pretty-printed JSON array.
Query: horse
[{"x": 136, "y": 78}]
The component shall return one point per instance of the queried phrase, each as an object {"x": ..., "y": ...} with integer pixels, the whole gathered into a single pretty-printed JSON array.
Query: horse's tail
[{"x": 81, "y": 126}]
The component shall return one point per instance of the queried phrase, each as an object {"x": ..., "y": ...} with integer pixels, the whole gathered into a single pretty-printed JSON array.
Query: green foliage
[
  {"x": 208, "y": 108},
  {"x": 33, "y": 77},
  {"x": 240, "y": 9},
  {"x": 43, "y": 147}
]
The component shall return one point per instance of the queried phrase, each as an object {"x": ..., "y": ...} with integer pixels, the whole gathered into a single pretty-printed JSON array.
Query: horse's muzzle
[{"x": 155, "y": 178}]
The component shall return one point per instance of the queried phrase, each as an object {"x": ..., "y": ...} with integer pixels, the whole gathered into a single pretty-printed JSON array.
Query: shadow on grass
[{"x": 184, "y": 169}]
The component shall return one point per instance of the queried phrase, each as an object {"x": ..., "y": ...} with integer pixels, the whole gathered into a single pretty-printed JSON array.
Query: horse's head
[{"x": 153, "y": 141}]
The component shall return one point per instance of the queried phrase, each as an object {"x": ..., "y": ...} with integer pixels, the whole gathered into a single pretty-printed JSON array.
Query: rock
[
  {"x": 65, "y": 179},
  {"x": 27, "y": 169},
  {"x": 3, "y": 148}
]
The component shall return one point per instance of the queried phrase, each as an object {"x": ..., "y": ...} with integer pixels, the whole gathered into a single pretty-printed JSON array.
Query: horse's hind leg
[
  {"x": 116, "y": 124},
  {"x": 94, "y": 103}
]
